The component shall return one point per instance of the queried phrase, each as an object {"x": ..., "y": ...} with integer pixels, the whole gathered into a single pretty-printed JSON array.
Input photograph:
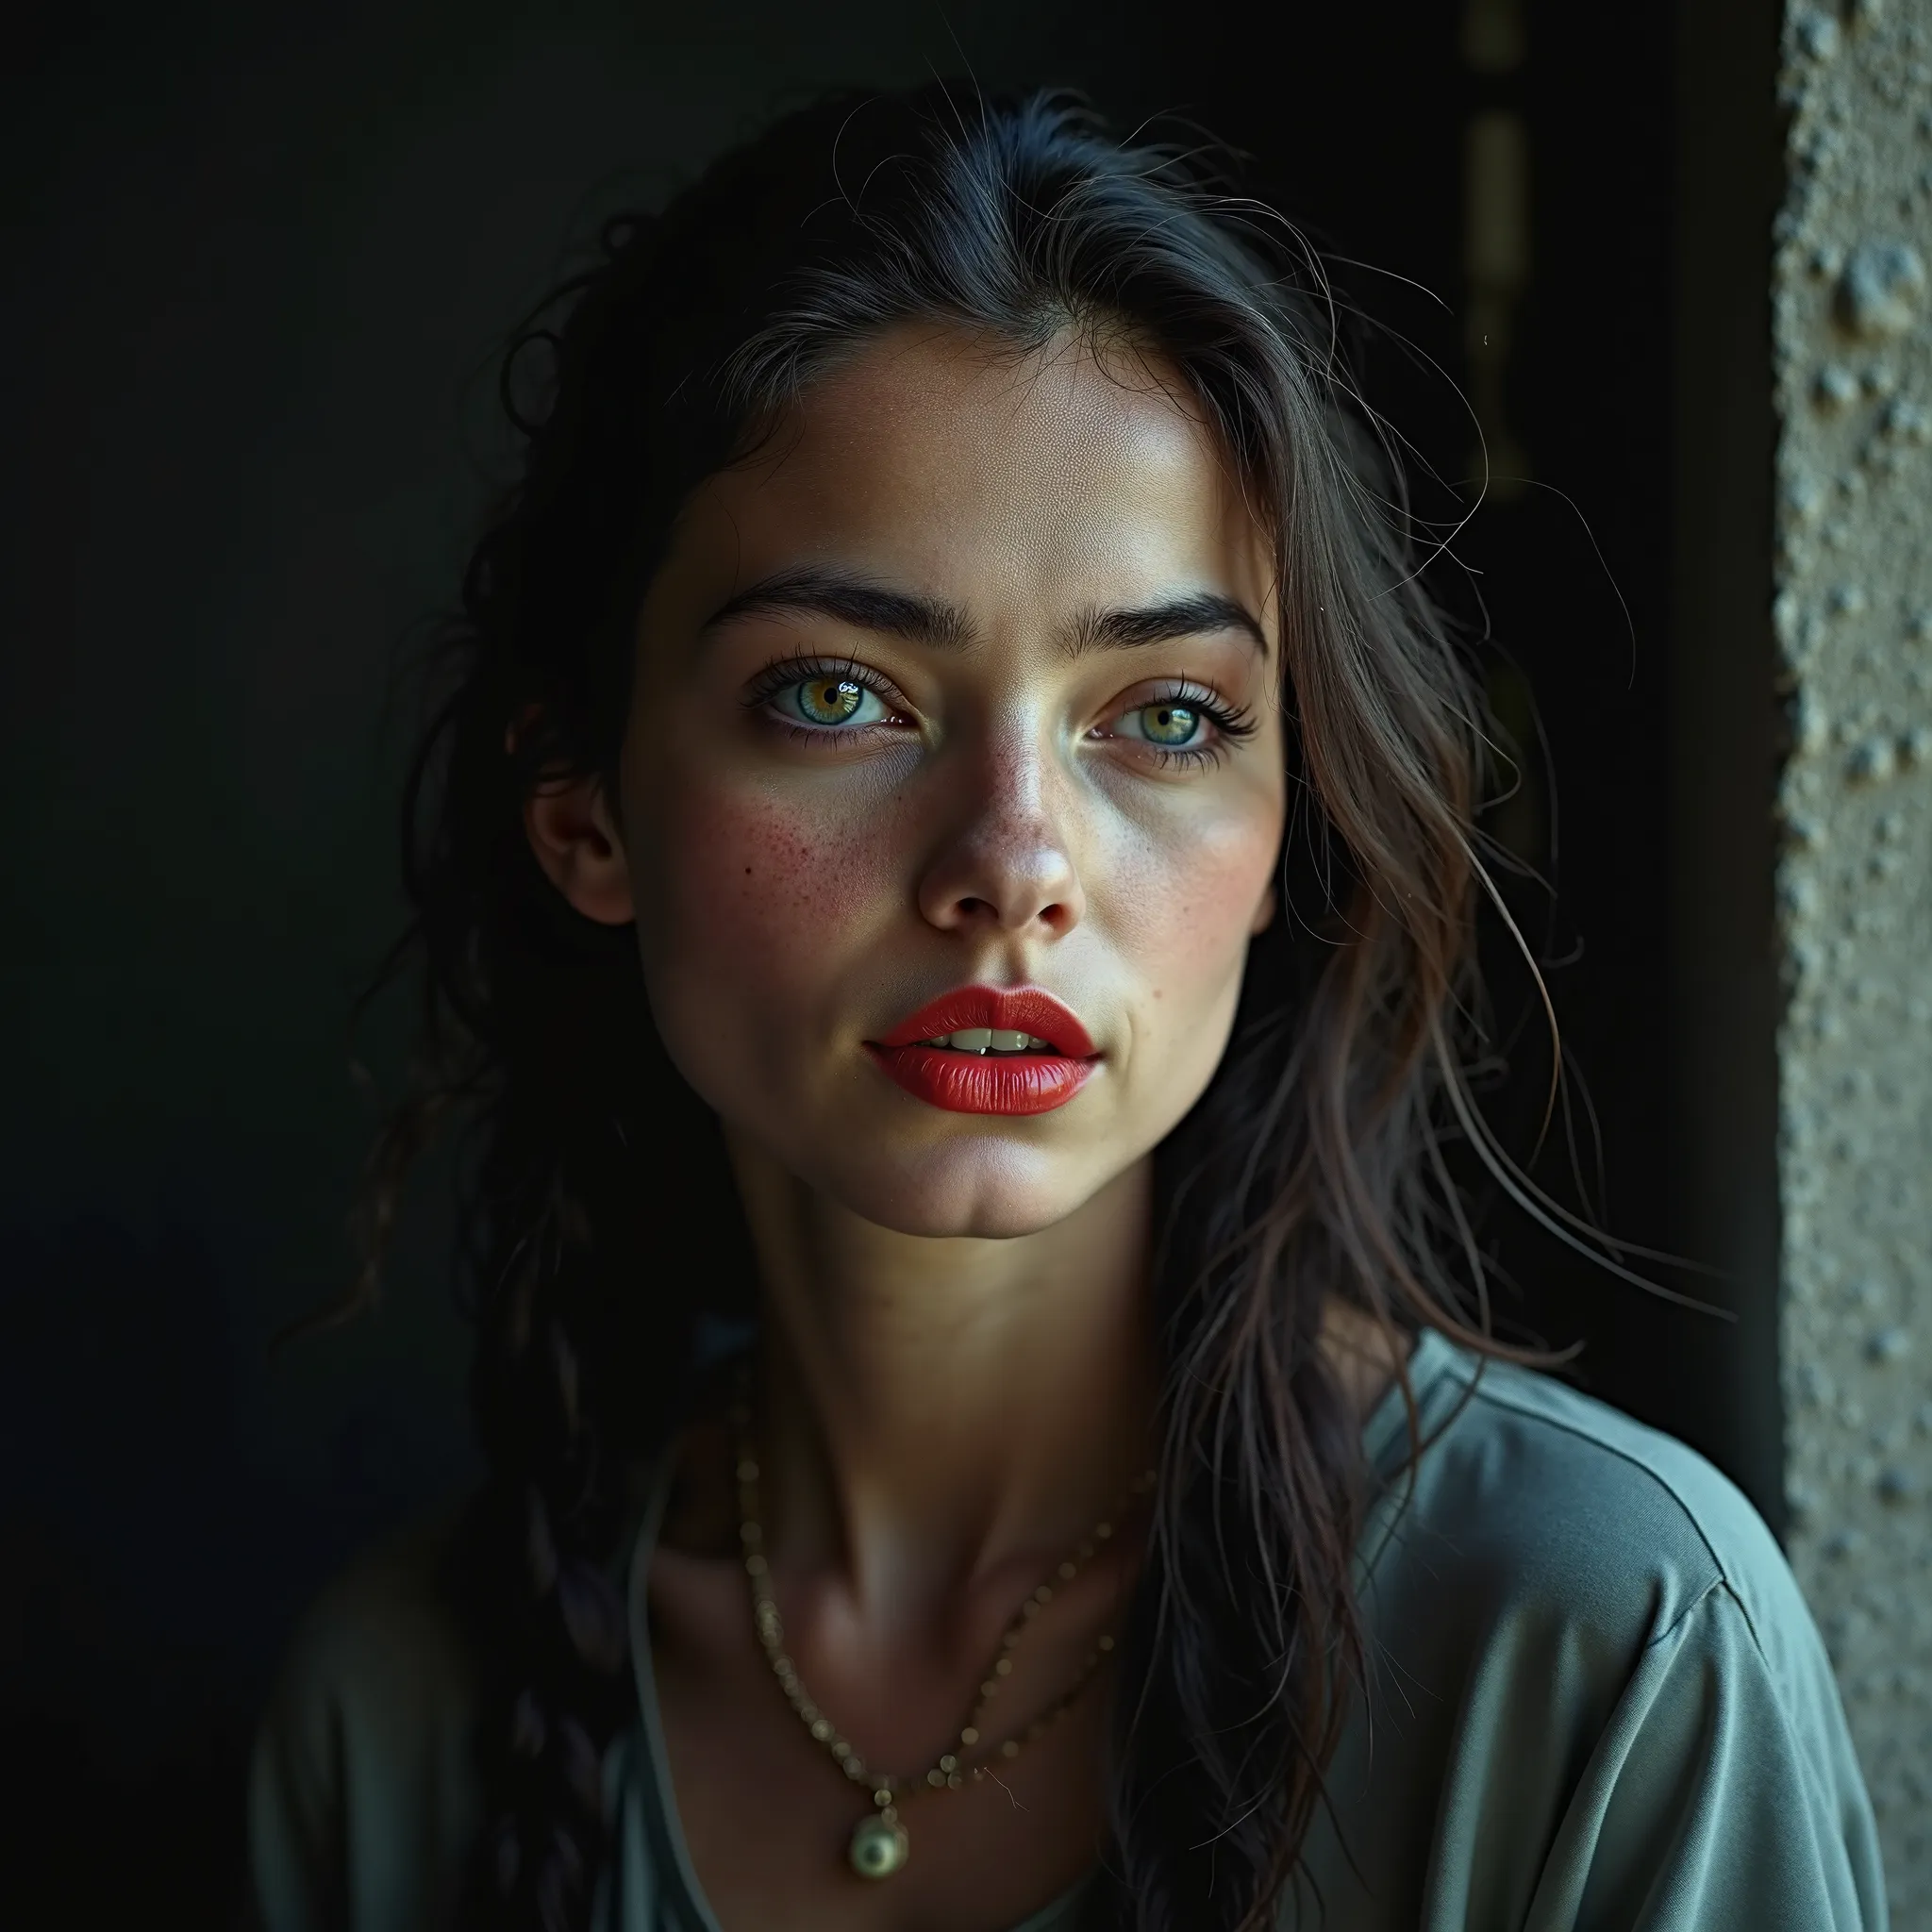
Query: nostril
[{"x": 1042, "y": 896}]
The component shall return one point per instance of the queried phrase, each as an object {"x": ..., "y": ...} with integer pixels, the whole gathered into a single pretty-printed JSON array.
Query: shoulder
[
  {"x": 1591, "y": 1671},
  {"x": 1531, "y": 1488},
  {"x": 363, "y": 1793},
  {"x": 381, "y": 1649}
]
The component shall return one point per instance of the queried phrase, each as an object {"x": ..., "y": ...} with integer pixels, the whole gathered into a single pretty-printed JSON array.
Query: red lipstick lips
[{"x": 962, "y": 1080}]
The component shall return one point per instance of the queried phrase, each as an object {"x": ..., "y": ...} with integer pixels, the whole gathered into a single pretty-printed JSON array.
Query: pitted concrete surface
[{"x": 1853, "y": 343}]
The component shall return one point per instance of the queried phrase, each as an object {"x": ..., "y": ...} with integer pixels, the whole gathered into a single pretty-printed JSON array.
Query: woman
[{"x": 947, "y": 869}]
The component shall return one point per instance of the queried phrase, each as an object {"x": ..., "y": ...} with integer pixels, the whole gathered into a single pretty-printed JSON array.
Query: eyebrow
[
  {"x": 933, "y": 622},
  {"x": 1157, "y": 624},
  {"x": 852, "y": 600}
]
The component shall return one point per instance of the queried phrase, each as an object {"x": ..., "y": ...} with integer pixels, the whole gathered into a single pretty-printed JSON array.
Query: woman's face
[{"x": 965, "y": 686}]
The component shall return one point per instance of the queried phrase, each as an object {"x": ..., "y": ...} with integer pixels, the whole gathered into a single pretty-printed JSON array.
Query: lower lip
[{"x": 1013, "y": 1083}]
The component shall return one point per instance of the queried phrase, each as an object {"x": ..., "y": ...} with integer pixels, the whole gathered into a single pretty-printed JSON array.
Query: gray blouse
[{"x": 1598, "y": 1704}]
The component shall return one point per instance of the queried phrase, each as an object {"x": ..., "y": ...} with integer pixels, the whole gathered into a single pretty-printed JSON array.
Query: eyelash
[
  {"x": 1232, "y": 723},
  {"x": 784, "y": 673}
]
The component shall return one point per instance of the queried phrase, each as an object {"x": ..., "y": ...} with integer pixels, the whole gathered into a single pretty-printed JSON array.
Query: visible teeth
[{"x": 991, "y": 1040}]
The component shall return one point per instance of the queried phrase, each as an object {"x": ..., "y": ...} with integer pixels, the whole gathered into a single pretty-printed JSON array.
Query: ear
[
  {"x": 577, "y": 842},
  {"x": 1264, "y": 912}
]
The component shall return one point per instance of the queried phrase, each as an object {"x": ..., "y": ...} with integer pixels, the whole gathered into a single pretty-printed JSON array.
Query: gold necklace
[{"x": 880, "y": 1844}]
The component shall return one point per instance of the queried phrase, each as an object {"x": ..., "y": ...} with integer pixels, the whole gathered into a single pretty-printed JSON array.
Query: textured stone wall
[{"x": 1853, "y": 343}]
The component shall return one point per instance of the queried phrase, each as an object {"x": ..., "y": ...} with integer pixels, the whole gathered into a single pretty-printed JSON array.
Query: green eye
[
  {"x": 828, "y": 700},
  {"x": 1170, "y": 724}
]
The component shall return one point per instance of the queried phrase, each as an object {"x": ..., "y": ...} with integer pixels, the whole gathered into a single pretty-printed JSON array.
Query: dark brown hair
[{"x": 602, "y": 1224}]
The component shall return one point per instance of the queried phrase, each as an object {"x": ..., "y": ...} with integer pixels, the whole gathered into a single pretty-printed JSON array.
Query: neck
[{"x": 935, "y": 1408}]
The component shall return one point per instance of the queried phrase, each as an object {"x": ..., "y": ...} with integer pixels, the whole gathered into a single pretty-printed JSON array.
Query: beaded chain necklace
[{"x": 880, "y": 1844}]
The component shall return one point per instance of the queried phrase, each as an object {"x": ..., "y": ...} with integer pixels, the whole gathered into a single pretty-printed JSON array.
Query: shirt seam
[
  {"x": 1696, "y": 1604},
  {"x": 1819, "y": 1788},
  {"x": 1501, "y": 1399}
]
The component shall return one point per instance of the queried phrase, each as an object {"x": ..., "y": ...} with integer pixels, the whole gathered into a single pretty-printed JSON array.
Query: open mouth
[
  {"x": 984, "y": 1049},
  {"x": 991, "y": 1040}
]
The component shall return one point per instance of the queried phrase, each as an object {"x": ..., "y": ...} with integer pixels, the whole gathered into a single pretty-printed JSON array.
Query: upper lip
[{"x": 1013, "y": 1009}]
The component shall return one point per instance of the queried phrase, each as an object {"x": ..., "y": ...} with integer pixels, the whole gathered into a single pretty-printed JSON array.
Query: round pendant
[{"x": 879, "y": 1846}]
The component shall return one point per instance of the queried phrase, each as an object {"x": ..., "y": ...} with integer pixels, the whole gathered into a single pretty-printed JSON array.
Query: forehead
[{"x": 1061, "y": 476}]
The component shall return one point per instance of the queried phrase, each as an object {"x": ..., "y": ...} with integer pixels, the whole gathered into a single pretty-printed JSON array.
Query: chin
[{"x": 982, "y": 1190}]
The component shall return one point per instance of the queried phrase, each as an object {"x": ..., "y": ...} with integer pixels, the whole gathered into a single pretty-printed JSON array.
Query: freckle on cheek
[{"x": 798, "y": 884}]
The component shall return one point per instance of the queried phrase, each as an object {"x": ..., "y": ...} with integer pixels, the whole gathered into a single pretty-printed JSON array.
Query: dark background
[{"x": 259, "y": 260}]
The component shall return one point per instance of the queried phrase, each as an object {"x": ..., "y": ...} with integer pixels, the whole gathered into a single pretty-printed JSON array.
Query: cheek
[
  {"x": 742, "y": 888},
  {"x": 1182, "y": 909},
  {"x": 1185, "y": 907}
]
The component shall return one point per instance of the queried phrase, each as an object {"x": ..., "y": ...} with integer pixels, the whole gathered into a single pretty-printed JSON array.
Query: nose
[{"x": 1006, "y": 865}]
